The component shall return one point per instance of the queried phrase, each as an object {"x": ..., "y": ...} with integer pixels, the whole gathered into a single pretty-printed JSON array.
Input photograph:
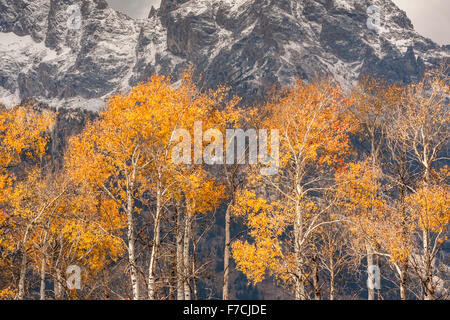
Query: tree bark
[
  {"x": 131, "y": 258},
  {"x": 23, "y": 270},
  {"x": 23, "y": 265},
  {"x": 316, "y": 282},
  {"x": 226, "y": 255},
  {"x": 187, "y": 266},
  {"x": 57, "y": 280},
  {"x": 332, "y": 289},
  {"x": 58, "y": 283},
  {"x": 106, "y": 290},
  {"x": 300, "y": 292},
  {"x": 427, "y": 265},
  {"x": 43, "y": 265},
  {"x": 179, "y": 257},
  {"x": 370, "y": 262},
  {"x": 42, "y": 278},
  {"x": 194, "y": 275},
  {"x": 155, "y": 245},
  {"x": 131, "y": 246},
  {"x": 403, "y": 280}
]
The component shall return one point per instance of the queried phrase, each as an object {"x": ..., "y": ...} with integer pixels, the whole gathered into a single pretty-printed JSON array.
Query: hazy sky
[
  {"x": 431, "y": 18},
  {"x": 134, "y": 8}
]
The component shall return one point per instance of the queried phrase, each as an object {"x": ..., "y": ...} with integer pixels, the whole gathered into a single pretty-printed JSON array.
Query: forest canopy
[{"x": 363, "y": 184}]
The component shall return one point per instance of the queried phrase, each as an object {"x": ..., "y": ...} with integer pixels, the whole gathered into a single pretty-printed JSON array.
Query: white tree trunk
[
  {"x": 42, "y": 276},
  {"x": 23, "y": 270},
  {"x": 58, "y": 283},
  {"x": 43, "y": 265},
  {"x": 300, "y": 292},
  {"x": 332, "y": 289},
  {"x": 179, "y": 257},
  {"x": 57, "y": 280},
  {"x": 187, "y": 265},
  {"x": 370, "y": 262},
  {"x": 23, "y": 266},
  {"x": 427, "y": 268},
  {"x": 155, "y": 246},
  {"x": 131, "y": 247},
  {"x": 226, "y": 255},
  {"x": 131, "y": 258},
  {"x": 403, "y": 279}
]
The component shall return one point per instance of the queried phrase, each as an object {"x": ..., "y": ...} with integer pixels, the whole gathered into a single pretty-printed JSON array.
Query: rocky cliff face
[{"x": 248, "y": 44}]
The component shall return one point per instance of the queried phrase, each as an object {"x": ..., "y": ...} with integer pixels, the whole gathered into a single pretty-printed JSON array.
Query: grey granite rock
[{"x": 250, "y": 45}]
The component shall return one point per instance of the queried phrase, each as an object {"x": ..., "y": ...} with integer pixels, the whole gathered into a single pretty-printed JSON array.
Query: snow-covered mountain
[{"x": 248, "y": 44}]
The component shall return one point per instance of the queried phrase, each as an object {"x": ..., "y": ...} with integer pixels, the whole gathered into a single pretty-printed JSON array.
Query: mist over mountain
[{"x": 250, "y": 45}]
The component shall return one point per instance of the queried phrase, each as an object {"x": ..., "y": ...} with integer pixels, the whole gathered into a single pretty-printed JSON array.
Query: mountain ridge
[{"x": 249, "y": 45}]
